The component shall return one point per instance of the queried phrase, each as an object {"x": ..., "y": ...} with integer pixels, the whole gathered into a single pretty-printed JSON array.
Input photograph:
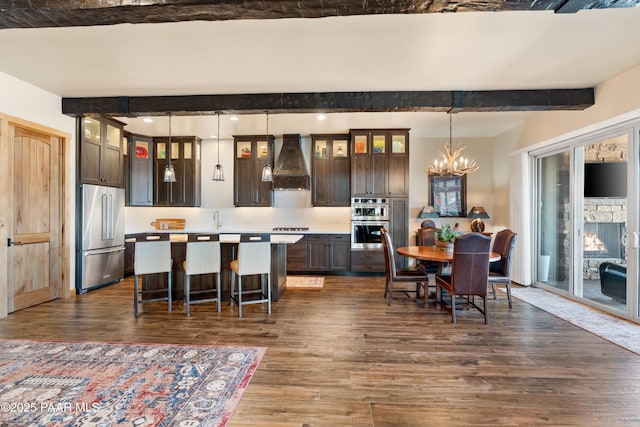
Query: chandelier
[{"x": 451, "y": 162}]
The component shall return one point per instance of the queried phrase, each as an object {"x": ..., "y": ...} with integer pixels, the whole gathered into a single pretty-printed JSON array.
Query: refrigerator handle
[
  {"x": 105, "y": 217},
  {"x": 111, "y": 215}
]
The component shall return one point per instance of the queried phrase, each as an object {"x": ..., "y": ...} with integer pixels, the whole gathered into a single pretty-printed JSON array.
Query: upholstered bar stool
[
  {"x": 203, "y": 257},
  {"x": 254, "y": 257},
  {"x": 152, "y": 256}
]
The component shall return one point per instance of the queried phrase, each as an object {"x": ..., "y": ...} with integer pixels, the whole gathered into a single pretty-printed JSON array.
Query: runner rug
[
  {"x": 105, "y": 384},
  {"x": 615, "y": 329}
]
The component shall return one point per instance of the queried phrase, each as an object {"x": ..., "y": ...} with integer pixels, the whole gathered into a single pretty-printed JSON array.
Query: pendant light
[
  {"x": 218, "y": 172},
  {"x": 267, "y": 172},
  {"x": 452, "y": 162},
  {"x": 169, "y": 172}
]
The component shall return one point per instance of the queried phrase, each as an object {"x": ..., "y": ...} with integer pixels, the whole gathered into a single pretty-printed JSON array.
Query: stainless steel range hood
[{"x": 290, "y": 172}]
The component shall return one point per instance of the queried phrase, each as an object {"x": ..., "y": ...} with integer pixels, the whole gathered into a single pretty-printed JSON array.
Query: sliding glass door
[
  {"x": 553, "y": 202},
  {"x": 602, "y": 212},
  {"x": 588, "y": 217}
]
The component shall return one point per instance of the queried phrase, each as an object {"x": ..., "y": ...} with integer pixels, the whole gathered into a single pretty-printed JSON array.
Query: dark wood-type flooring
[{"x": 339, "y": 356}]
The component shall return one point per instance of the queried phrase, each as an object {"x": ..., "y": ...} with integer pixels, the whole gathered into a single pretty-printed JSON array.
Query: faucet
[{"x": 216, "y": 219}]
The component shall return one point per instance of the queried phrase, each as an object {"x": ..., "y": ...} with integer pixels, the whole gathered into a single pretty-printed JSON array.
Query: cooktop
[{"x": 290, "y": 228}]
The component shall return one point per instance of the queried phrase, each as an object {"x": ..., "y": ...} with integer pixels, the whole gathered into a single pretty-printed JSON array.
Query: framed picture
[{"x": 448, "y": 195}]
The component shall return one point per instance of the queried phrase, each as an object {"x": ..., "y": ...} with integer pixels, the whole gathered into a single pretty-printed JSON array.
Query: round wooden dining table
[{"x": 431, "y": 253}]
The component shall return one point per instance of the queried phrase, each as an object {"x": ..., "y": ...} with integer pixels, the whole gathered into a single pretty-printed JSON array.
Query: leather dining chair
[
  {"x": 426, "y": 236},
  {"x": 500, "y": 271},
  {"x": 203, "y": 257},
  {"x": 152, "y": 256},
  {"x": 469, "y": 273},
  {"x": 254, "y": 258},
  {"x": 394, "y": 275}
]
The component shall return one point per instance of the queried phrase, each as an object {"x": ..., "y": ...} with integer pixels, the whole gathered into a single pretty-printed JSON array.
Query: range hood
[{"x": 290, "y": 172}]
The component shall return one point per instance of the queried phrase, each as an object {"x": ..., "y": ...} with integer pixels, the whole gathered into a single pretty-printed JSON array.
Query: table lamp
[{"x": 477, "y": 213}]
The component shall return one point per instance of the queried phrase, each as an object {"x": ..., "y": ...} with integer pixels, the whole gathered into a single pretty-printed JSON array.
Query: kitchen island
[{"x": 228, "y": 251}]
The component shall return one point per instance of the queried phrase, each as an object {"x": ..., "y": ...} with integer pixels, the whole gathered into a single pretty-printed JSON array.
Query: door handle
[{"x": 12, "y": 243}]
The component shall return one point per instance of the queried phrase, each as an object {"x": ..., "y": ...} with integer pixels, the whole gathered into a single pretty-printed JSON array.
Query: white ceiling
[{"x": 453, "y": 51}]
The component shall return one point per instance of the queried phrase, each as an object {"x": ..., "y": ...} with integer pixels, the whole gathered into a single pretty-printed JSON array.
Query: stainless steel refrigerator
[{"x": 102, "y": 254}]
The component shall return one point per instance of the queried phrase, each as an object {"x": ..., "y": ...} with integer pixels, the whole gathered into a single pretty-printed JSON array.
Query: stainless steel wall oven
[{"x": 368, "y": 217}]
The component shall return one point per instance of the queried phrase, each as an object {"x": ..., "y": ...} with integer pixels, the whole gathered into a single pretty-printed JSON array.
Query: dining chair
[
  {"x": 254, "y": 258},
  {"x": 469, "y": 273},
  {"x": 393, "y": 275},
  {"x": 426, "y": 236},
  {"x": 152, "y": 256},
  {"x": 203, "y": 257},
  {"x": 500, "y": 271}
]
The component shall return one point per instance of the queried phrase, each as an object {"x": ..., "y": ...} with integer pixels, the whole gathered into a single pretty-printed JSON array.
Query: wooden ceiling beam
[
  {"x": 65, "y": 13},
  {"x": 335, "y": 102}
]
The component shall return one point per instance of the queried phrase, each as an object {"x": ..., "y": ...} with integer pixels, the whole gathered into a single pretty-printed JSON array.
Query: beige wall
[
  {"x": 614, "y": 97},
  {"x": 479, "y": 184}
]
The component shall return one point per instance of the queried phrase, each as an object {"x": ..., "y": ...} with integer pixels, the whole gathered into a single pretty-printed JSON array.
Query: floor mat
[{"x": 305, "y": 282}]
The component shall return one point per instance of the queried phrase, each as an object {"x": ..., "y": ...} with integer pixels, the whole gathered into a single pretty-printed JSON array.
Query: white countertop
[{"x": 182, "y": 236}]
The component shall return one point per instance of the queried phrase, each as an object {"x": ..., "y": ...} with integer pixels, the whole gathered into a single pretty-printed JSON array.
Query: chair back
[
  {"x": 428, "y": 223},
  {"x": 503, "y": 244},
  {"x": 389, "y": 257},
  {"x": 470, "y": 265},
  {"x": 254, "y": 254},
  {"x": 152, "y": 254},
  {"x": 426, "y": 236},
  {"x": 203, "y": 254}
]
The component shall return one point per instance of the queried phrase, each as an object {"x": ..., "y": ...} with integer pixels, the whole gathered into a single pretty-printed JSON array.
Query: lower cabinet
[
  {"x": 368, "y": 261},
  {"x": 297, "y": 256},
  {"x": 320, "y": 253}
]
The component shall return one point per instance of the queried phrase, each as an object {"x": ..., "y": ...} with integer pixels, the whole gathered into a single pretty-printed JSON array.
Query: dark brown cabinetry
[
  {"x": 367, "y": 261},
  {"x": 330, "y": 170},
  {"x": 320, "y": 253},
  {"x": 328, "y": 253},
  {"x": 297, "y": 256},
  {"x": 380, "y": 162},
  {"x": 251, "y": 154},
  {"x": 184, "y": 155},
  {"x": 138, "y": 170},
  {"x": 101, "y": 159}
]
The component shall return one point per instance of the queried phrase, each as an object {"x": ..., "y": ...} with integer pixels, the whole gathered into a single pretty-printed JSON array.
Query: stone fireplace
[{"x": 604, "y": 225}]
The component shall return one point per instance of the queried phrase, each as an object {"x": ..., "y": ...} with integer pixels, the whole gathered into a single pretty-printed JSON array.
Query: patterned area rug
[
  {"x": 105, "y": 384},
  {"x": 619, "y": 331},
  {"x": 305, "y": 282}
]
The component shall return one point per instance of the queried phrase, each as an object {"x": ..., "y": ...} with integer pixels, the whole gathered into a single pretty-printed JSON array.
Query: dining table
[{"x": 433, "y": 253}]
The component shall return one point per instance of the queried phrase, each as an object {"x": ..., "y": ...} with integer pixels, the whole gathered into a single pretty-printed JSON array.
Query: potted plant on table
[{"x": 445, "y": 236}]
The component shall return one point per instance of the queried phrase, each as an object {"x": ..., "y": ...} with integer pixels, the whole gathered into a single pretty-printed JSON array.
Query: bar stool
[
  {"x": 152, "y": 256},
  {"x": 203, "y": 257},
  {"x": 254, "y": 257}
]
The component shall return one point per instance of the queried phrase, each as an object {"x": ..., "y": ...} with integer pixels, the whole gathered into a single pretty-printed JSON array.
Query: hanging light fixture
[
  {"x": 452, "y": 162},
  {"x": 218, "y": 172},
  {"x": 169, "y": 172},
  {"x": 267, "y": 172}
]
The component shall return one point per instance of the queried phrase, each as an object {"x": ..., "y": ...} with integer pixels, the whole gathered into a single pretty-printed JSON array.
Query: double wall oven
[{"x": 368, "y": 217}]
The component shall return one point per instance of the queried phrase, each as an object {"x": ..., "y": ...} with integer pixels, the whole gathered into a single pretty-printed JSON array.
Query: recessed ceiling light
[
  {"x": 147, "y": 120},
  {"x": 321, "y": 117},
  {"x": 212, "y": 136},
  {"x": 234, "y": 118}
]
